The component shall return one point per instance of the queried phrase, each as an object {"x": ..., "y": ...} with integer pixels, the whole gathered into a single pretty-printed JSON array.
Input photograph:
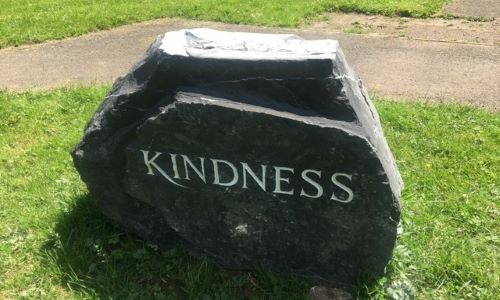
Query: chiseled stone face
[{"x": 254, "y": 150}]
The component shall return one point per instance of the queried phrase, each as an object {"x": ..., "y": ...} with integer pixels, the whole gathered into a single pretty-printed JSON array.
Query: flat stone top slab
[{"x": 208, "y": 43}]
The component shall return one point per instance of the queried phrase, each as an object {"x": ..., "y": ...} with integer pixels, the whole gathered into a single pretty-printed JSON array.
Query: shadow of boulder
[{"x": 95, "y": 259}]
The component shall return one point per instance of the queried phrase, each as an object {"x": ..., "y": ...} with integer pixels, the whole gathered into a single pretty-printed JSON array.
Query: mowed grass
[
  {"x": 54, "y": 244},
  {"x": 28, "y": 21}
]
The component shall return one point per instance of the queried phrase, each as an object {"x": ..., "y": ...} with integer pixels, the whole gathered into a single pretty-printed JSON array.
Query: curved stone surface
[{"x": 251, "y": 149}]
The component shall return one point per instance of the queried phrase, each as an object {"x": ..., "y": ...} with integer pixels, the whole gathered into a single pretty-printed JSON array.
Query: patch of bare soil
[{"x": 433, "y": 29}]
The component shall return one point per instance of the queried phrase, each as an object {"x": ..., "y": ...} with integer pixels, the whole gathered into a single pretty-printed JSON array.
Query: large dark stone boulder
[{"x": 253, "y": 150}]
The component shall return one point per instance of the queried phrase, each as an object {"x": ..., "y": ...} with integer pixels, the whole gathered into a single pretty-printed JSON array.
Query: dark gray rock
[{"x": 253, "y": 150}]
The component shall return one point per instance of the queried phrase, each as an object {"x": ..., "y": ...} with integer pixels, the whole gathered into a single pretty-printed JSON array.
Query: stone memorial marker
[{"x": 254, "y": 150}]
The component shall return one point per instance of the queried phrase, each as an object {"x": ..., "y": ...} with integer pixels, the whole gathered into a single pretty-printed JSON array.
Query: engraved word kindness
[{"x": 180, "y": 170}]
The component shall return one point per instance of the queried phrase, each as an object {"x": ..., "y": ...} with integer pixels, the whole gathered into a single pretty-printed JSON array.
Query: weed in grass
[
  {"x": 55, "y": 244},
  {"x": 355, "y": 28}
]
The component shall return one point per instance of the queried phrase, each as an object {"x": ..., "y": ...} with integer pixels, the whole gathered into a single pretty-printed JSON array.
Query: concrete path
[
  {"x": 396, "y": 67},
  {"x": 485, "y": 9}
]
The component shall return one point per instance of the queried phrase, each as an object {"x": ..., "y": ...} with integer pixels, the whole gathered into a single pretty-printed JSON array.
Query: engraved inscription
[{"x": 180, "y": 170}]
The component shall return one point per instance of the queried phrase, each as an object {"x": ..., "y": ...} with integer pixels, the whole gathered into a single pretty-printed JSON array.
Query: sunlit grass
[{"x": 54, "y": 243}]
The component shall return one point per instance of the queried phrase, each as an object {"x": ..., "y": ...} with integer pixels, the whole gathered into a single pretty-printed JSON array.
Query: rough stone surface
[{"x": 253, "y": 150}]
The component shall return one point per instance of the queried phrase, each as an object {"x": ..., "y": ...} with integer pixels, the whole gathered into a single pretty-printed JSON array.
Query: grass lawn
[
  {"x": 31, "y": 21},
  {"x": 54, "y": 244}
]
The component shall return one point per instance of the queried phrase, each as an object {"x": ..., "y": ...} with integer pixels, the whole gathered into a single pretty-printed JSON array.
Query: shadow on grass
[{"x": 94, "y": 259}]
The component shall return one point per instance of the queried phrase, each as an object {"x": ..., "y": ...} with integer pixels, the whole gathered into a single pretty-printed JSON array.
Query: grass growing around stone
[
  {"x": 26, "y": 21},
  {"x": 55, "y": 245}
]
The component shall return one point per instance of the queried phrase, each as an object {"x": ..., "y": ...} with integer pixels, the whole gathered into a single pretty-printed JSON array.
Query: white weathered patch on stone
[
  {"x": 241, "y": 229},
  {"x": 208, "y": 43}
]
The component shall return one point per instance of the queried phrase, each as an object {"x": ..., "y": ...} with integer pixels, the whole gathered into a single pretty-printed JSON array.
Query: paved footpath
[
  {"x": 401, "y": 68},
  {"x": 473, "y": 8}
]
